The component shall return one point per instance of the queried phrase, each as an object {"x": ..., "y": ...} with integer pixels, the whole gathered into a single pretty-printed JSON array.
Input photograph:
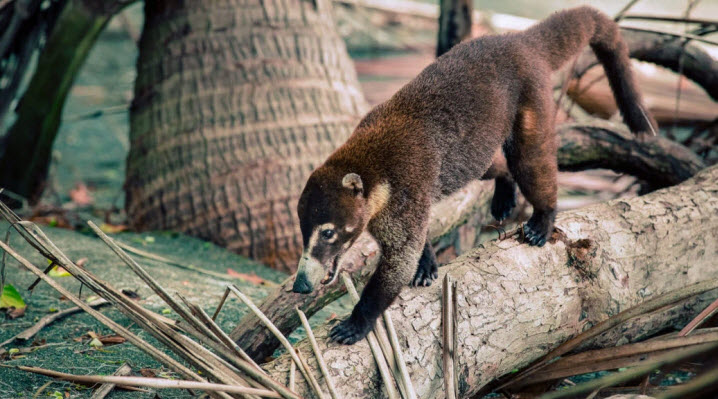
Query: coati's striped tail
[{"x": 562, "y": 36}]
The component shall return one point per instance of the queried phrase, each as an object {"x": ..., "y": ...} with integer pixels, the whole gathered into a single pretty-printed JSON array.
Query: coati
[{"x": 484, "y": 109}]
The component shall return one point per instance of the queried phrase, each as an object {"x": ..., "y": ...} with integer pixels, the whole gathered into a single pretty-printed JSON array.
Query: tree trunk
[
  {"x": 600, "y": 145},
  {"x": 26, "y": 149},
  {"x": 516, "y": 302},
  {"x": 236, "y": 102},
  {"x": 455, "y": 22}
]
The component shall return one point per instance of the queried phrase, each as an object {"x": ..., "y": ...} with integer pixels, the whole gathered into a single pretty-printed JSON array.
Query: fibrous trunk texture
[
  {"x": 516, "y": 302},
  {"x": 25, "y": 150},
  {"x": 454, "y": 23},
  {"x": 599, "y": 145},
  {"x": 236, "y": 102}
]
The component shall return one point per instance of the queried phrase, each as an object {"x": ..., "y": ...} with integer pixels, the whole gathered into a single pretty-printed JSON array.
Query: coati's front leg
[
  {"x": 394, "y": 271},
  {"x": 428, "y": 268},
  {"x": 504, "y": 200}
]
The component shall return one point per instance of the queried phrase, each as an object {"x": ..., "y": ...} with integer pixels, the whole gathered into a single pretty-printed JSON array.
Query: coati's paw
[
  {"x": 426, "y": 273},
  {"x": 538, "y": 228},
  {"x": 504, "y": 200},
  {"x": 349, "y": 331}
]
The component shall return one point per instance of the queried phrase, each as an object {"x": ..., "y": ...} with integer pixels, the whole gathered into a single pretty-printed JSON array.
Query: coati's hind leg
[
  {"x": 504, "y": 200},
  {"x": 531, "y": 156},
  {"x": 428, "y": 269}
]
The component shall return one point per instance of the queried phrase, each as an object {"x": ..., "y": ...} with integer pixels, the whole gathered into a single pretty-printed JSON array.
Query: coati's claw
[
  {"x": 426, "y": 273},
  {"x": 538, "y": 228},
  {"x": 349, "y": 332}
]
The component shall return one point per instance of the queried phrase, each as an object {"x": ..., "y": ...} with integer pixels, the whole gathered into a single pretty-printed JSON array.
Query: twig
[
  {"x": 447, "y": 323},
  {"x": 150, "y": 281},
  {"x": 105, "y": 389},
  {"x": 373, "y": 344},
  {"x": 149, "y": 382},
  {"x": 282, "y": 339},
  {"x": 383, "y": 339},
  {"x": 705, "y": 380},
  {"x": 49, "y": 319},
  {"x": 632, "y": 373},
  {"x": 41, "y": 389},
  {"x": 318, "y": 354},
  {"x": 313, "y": 382},
  {"x": 292, "y": 376},
  {"x": 698, "y": 320},
  {"x": 404, "y": 372},
  {"x": 645, "y": 307},
  {"x": 137, "y": 341},
  {"x": 671, "y": 19},
  {"x": 2, "y": 262},
  {"x": 624, "y": 10},
  {"x": 158, "y": 258},
  {"x": 221, "y": 335},
  {"x": 455, "y": 338},
  {"x": 616, "y": 357},
  {"x": 221, "y": 303},
  {"x": 663, "y": 32}
]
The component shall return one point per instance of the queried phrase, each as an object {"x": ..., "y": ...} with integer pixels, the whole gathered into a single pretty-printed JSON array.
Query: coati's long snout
[{"x": 311, "y": 273}]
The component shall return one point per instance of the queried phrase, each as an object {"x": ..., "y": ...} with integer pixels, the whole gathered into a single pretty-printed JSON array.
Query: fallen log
[
  {"x": 659, "y": 161},
  {"x": 516, "y": 302}
]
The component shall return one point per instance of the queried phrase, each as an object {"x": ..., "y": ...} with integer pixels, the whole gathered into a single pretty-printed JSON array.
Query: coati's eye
[{"x": 327, "y": 234}]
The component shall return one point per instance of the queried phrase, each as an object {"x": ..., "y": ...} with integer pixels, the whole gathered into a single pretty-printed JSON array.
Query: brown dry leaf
[
  {"x": 14, "y": 313},
  {"x": 149, "y": 373},
  {"x": 57, "y": 220},
  {"x": 112, "y": 339},
  {"x": 80, "y": 195},
  {"x": 250, "y": 278},
  {"x": 113, "y": 228}
]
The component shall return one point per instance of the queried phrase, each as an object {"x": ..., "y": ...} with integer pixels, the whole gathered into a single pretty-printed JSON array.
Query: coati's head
[{"x": 333, "y": 210}]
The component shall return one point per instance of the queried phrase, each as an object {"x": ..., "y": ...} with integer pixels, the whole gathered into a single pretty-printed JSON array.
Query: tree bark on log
[
  {"x": 516, "y": 302},
  {"x": 600, "y": 145}
]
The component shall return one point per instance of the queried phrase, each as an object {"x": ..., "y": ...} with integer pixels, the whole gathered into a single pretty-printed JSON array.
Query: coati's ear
[{"x": 353, "y": 182}]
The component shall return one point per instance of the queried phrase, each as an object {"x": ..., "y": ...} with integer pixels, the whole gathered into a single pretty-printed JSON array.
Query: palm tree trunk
[{"x": 236, "y": 102}]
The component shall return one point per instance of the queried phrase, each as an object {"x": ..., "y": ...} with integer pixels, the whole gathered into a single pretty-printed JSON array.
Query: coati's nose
[{"x": 302, "y": 285}]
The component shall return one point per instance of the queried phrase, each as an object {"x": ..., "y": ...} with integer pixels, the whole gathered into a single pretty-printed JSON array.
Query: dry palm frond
[{"x": 197, "y": 339}]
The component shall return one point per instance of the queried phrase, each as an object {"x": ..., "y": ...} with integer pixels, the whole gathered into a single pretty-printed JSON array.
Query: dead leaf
[
  {"x": 80, "y": 195},
  {"x": 149, "y": 373},
  {"x": 13, "y": 313},
  {"x": 249, "y": 278},
  {"x": 81, "y": 262},
  {"x": 113, "y": 228},
  {"x": 112, "y": 339}
]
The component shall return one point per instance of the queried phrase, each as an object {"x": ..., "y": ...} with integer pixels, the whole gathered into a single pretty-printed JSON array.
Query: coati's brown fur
[{"x": 448, "y": 126}]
